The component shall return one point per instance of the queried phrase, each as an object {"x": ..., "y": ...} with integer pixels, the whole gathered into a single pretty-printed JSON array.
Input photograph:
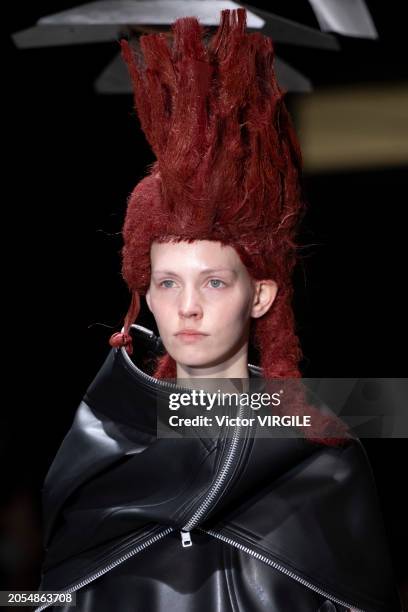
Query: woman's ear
[{"x": 264, "y": 296}]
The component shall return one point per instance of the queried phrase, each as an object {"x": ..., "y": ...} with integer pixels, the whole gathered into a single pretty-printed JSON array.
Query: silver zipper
[
  {"x": 219, "y": 481},
  {"x": 215, "y": 534},
  {"x": 279, "y": 567},
  {"x": 112, "y": 564}
]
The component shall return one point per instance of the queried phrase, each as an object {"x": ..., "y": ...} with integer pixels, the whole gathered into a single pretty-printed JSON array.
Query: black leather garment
[{"x": 138, "y": 523}]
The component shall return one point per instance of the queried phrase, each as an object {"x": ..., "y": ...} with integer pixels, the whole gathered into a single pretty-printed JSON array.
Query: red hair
[{"x": 228, "y": 169}]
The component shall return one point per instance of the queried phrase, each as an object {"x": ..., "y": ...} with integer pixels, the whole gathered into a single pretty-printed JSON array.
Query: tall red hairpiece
[{"x": 228, "y": 168}]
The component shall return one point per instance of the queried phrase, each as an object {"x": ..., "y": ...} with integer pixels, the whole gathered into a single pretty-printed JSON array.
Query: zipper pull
[{"x": 186, "y": 538}]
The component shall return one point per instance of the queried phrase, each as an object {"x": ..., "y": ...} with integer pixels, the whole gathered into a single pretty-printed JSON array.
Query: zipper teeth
[
  {"x": 113, "y": 564},
  {"x": 147, "y": 377},
  {"x": 279, "y": 567},
  {"x": 215, "y": 534},
  {"x": 219, "y": 480}
]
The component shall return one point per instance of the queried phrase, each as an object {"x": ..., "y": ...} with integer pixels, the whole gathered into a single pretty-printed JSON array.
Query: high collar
[{"x": 149, "y": 347}]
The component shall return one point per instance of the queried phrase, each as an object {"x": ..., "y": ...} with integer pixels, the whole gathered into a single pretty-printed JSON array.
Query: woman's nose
[{"x": 189, "y": 304}]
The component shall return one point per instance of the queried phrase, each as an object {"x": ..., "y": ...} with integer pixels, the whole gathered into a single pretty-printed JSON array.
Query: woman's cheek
[{"x": 162, "y": 303}]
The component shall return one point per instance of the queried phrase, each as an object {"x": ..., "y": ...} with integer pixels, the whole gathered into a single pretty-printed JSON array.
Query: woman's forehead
[{"x": 205, "y": 253}]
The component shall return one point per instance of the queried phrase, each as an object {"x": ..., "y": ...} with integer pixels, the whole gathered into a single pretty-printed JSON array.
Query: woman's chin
[{"x": 186, "y": 360}]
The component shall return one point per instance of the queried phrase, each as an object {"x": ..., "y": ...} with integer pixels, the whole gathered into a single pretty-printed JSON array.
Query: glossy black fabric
[{"x": 295, "y": 527}]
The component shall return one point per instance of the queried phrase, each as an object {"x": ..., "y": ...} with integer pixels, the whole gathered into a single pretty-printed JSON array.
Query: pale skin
[{"x": 205, "y": 286}]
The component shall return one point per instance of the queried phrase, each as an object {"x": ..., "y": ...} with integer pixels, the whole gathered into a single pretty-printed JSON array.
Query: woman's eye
[
  {"x": 165, "y": 281},
  {"x": 216, "y": 280},
  {"x": 213, "y": 280}
]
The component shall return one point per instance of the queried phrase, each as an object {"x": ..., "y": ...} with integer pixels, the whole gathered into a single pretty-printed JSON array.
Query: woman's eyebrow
[{"x": 205, "y": 271}]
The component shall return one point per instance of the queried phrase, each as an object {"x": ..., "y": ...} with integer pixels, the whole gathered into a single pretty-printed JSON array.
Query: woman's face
[{"x": 203, "y": 286}]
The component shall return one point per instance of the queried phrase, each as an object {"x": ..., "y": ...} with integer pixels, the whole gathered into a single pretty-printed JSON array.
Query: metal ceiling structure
[{"x": 110, "y": 20}]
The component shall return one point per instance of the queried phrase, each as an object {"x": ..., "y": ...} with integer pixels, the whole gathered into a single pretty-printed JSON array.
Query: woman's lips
[{"x": 190, "y": 336}]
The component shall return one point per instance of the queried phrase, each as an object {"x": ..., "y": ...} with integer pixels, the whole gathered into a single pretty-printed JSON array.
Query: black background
[{"x": 73, "y": 157}]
